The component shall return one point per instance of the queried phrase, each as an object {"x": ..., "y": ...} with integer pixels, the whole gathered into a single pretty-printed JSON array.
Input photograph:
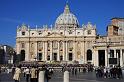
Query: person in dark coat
[{"x": 47, "y": 75}]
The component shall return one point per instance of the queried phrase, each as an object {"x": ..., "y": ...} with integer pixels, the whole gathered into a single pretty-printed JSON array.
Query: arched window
[{"x": 89, "y": 54}]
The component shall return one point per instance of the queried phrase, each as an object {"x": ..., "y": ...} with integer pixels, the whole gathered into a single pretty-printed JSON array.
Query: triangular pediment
[{"x": 54, "y": 34}]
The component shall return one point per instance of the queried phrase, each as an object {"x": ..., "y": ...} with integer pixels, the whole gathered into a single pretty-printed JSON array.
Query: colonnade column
[
  {"x": 106, "y": 57},
  {"x": 121, "y": 59},
  {"x": 115, "y": 55},
  {"x": 51, "y": 50},
  {"x": 58, "y": 55}
]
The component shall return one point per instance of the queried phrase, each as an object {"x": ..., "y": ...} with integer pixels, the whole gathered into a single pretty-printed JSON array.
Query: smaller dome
[{"x": 66, "y": 19}]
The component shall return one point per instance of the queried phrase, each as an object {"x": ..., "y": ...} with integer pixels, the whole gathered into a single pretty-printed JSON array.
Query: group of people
[
  {"x": 114, "y": 72},
  {"x": 30, "y": 73}
]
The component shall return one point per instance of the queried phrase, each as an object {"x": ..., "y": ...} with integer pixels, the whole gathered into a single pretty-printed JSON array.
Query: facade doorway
[
  {"x": 70, "y": 57},
  {"x": 40, "y": 56},
  {"x": 101, "y": 57},
  {"x": 89, "y": 55},
  {"x": 22, "y": 56}
]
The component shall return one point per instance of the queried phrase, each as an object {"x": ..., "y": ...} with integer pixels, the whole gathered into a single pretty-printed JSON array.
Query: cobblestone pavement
[{"x": 58, "y": 77}]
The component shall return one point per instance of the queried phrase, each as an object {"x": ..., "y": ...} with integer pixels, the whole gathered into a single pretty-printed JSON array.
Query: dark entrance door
[
  {"x": 101, "y": 56},
  {"x": 55, "y": 56},
  {"x": 70, "y": 56},
  {"x": 22, "y": 56},
  {"x": 40, "y": 56}
]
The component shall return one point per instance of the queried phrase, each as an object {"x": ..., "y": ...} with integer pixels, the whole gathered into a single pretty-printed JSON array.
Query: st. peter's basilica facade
[{"x": 66, "y": 41}]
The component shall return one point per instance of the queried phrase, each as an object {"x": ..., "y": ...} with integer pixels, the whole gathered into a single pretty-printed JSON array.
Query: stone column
[
  {"x": 66, "y": 50},
  {"x": 66, "y": 76},
  {"x": 96, "y": 58},
  {"x": 51, "y": 50},
  {"x": 41, "y": 76},
  {"x": 58, "y": 55},
  {"x": 45, "y": 51},
  {"x": 121, "y": 59}
]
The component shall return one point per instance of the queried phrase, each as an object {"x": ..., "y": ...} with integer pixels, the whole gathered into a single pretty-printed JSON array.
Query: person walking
[
  {"x": 17, "y": 73},
  {"x": 27, "y": 72},
  {"x": 33, "y": 74},
  {"x": 47, "y": 75}
]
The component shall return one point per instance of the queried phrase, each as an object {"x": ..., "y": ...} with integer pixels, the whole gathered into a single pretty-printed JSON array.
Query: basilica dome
[{"x": 66, "y": 19}]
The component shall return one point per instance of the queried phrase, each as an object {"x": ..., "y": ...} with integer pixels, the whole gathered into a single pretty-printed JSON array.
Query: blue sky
[{"x": 42, "y": 12}]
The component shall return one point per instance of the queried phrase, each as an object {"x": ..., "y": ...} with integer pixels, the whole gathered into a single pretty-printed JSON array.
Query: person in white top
[{"x": 27, "y": 72}]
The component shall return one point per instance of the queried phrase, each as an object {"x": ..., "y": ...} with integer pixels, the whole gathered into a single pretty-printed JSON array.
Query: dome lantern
[{"x": 66, "y": 10}]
